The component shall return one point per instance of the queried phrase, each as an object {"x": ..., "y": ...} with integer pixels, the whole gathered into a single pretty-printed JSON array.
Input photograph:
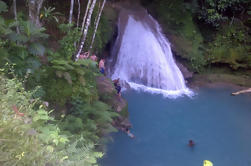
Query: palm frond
[
  {"x": 20, "y": 38},
  {"x": 3, "y": 7},
  {"x": 36, "y": 49}
]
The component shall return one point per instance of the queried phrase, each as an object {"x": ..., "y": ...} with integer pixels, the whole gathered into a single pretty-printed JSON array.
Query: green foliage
[
  {"x": 104, "y": 32},
  {"x": 69, "y": 41},
  {"x": 57, "y": 91},
  {"x": 231, "y": 46},
  {"x": 30, "y": 36},
  {"x": 38, "y": 92},
  {"x": 23, "y": 126},
  {"x": 49, "y": 14},
  {"x": 66, "y": 78},
  {"x": 20, "y": 56},
  {"x": 21, "y": 48},
  {"x": 81, "y": 153},
  {"x": 167, "y": 12},
  {"x": 3, "y": 7},
  {"x": 29, "y": 133},
  {"x": 73, "y": 124},
  {"x": 90, "y": 120},
  {"x": 215, "y": 12},
  {"x": 177, "y": 20},
  {"x": 73, "y": 84},
  {"x": 30, "y": 136},
  {"x": 6, "y": 27}
]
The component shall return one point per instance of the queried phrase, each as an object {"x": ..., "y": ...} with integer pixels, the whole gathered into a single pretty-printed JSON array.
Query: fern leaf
[
  {"x": 3, "y": 7},
  {"x": 36, "y": 49}
]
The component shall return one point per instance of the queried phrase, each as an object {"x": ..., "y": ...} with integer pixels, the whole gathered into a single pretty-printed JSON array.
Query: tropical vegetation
[
  {"x": 50, "y": 110},
  {"x": 207, "y": 33}
]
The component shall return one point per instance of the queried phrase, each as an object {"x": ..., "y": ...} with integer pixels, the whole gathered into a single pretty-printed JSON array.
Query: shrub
[
  {"x": 26, "y": 136},
  {"x": 231, "y": 46},
  {"x": 30, "y": 136}
]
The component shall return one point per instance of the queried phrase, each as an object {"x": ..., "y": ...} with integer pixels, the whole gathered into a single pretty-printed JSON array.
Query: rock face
[
  {"x": 186, "y": 73},
  {"x": 214, "y": 79},
  {"x": 108, "y": 94}
]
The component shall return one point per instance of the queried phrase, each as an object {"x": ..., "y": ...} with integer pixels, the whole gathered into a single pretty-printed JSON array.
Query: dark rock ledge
[{"x": 108, "y": 95}]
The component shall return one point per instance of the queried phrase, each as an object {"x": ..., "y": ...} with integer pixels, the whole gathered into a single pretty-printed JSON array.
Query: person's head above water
[{"x": 191, "y": 143}]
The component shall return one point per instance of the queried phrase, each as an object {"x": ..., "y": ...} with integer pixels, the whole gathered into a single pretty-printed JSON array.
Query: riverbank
[
  {"x": 220, "y": 76},
  {"x": 219, "y": 80}
]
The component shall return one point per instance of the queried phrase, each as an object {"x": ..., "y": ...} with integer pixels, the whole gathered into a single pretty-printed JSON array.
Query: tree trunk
[
  {"x": 97, "y": 23},
  {"x": 84, "y": 18},
  {"x": 78, "y": 13},
  {"x": 15, "y": 15},
  {"x": 34, "y": 11},
  {"x": 71, "y": 11},
  {"x": 85, "y": 29},
  {"x": 96, "y": 18}
]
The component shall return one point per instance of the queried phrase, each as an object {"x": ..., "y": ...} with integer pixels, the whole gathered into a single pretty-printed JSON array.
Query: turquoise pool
[{"x": 219, "y": 124}]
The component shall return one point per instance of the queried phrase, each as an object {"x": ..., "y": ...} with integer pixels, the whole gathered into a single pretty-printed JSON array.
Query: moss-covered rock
[
  {"x": 176, "y": 19},
  {"x": 108, "y": 95},
  {"x": 212, "y": 79},
  {"x": 197, "y": 43}
]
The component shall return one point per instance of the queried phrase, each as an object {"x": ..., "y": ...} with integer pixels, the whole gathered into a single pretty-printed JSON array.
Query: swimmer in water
[
  {"x": 191, "y": 143},
  {"x": 129, "y": 133}
]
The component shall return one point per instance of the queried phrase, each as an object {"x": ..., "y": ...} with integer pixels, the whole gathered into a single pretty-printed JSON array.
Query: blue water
[{"x": 219, "y": 124}]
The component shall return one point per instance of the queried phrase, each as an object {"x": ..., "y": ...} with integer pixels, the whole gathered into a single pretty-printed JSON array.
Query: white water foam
[
  {"x": 145, "y": 60},
  {"x": 166, "y": 93}
]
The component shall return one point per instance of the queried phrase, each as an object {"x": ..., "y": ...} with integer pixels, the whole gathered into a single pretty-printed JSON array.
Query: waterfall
[{"x": 142, "y": 58}]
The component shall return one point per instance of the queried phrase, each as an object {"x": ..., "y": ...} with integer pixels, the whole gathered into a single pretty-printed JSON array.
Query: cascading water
[{"x": 142, "y": 57}]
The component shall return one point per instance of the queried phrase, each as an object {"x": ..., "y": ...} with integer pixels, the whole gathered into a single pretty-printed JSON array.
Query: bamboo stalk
[
  {"x": 78, "y": 13},
  {"x": 97, "y": 23},
  {"x": 71, "y": 11},
  {"x": 84, "y": 18},
  {"x": 15, "y": 15},
  {"x": 85, "y": 30}
]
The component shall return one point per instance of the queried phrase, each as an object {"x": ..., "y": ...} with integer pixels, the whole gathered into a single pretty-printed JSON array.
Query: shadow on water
[{"x": 219, "y": 124}]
